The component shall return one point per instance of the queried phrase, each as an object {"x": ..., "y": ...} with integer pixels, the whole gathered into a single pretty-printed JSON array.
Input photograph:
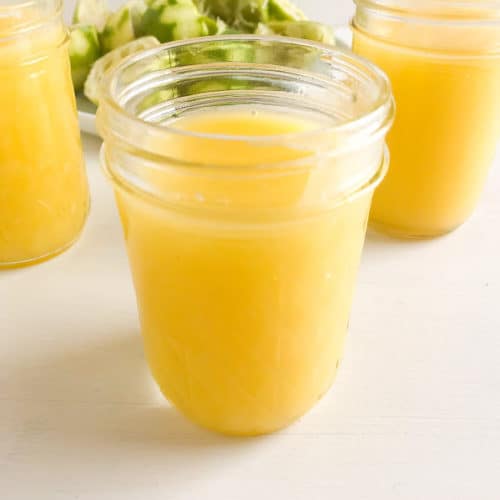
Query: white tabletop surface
[{"x": 414, "y": 413}]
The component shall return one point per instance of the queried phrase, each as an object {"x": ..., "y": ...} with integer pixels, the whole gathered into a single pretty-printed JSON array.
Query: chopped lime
[
  {"x": 170, "y": 20},
  {"x": 118, "y": 30},
  {"x": 92, "y": 87},
  {"x": 223, "y": 9},
  {"x": 84, "y": 50},
  {"x": 308, "y": 30},
  {"x": 94, "y": 12},
  {"x": 284, "y": 10},
  {"x": 241, "y": 15},
  {"x": 137, "y": 9},
  {"x": 250, "y": 13}
]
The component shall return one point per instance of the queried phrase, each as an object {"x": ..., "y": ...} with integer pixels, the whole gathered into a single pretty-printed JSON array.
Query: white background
[{"x": 414, "y": 413}]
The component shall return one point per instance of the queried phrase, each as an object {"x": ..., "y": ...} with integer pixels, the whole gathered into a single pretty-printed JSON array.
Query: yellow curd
[
  {"x": 43, "y": 187},
  {"x": 446, "y": 79},
  {"x": 243, "y": 327}
]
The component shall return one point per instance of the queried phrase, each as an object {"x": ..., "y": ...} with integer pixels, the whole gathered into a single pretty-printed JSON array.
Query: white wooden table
[{"x": 414, "y": 413}]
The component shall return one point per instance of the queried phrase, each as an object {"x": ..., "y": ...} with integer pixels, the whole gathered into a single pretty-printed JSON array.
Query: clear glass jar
[
  {"x": 243, "y": 168},
  {"x": 43, "y": 189},
  {"x": 443, "y": 59}
]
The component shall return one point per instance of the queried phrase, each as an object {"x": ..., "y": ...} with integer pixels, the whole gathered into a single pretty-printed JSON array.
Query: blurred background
[{"x": 327, "y": 11}]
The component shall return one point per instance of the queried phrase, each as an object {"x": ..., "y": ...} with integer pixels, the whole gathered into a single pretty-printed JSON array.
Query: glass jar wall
[{"x": 243, "y": 169}]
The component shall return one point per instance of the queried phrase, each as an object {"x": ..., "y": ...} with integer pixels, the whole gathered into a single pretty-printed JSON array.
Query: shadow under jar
[
  {"x": 44, "y": 195},
  {"x": 443, "y": 59},
  {"x": 243, "y": 169}
]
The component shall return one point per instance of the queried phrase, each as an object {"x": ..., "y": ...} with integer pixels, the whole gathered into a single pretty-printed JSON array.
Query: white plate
[
  {"x": 86, "y": 110},
  {"x": 86, "y": 115}
]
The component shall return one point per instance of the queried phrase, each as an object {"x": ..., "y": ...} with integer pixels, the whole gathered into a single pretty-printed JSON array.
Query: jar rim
[
  {"x": 9, "y": 5},
  {"x": 27, "y": 15},
  {"x": 446, "y": 11},
  {"x": 372, "y": 123}
]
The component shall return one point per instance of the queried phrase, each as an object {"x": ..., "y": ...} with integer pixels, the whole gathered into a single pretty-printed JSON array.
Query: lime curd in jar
[
  {"x": 43, "y": 189},
  {"x": 443, "y": 59},
  {"x": 244, "y": 214}
]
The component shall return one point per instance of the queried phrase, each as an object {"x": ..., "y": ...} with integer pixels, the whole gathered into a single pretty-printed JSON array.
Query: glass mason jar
[
  {"x": 43, "y": 188},
  {"x": 443, "y": 59},
  {"x": 243, "y": 169}
]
